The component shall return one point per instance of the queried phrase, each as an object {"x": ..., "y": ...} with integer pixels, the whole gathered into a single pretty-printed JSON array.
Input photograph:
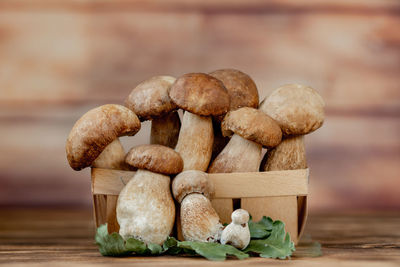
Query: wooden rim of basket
[{"x": 227, "y": 185}]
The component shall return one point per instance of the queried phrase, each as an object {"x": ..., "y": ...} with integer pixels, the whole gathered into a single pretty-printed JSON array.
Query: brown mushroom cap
[
  {"x": 150, "y": 98},
  {"x": 96, "y": 129},
  {"x": 155, "y": 158},
  {"x": 201, "y": 94},
  {"x": 241, "y": 88},
  {"x": 252, "y": 124},
  {"x": 298, "y": 109},
  {"x": 192, "y": 181}
]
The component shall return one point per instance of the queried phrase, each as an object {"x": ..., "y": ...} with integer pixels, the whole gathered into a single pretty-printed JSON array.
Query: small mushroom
[
  {"x": 199, "y": 221},
  {"x": 201, "y": 96},
  {"x": 242, "y": 93},
  {"x": 237, "y": 233},
  {"x": 251, "y": 129},
  {"x": 96, "y": 130},
  {"x": 145, "y": 208},
  {"x": 150, "y": 101}
]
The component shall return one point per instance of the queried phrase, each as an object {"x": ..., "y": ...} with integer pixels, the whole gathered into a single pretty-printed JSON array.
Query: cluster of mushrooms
[{"x": 222, "y": 130}]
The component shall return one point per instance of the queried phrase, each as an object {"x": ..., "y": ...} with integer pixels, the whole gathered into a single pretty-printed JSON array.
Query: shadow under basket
[{"x": 281, "y": 195}]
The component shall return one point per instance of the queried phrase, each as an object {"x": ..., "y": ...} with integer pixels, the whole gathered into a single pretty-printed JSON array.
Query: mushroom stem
[
  {"x": 199, "y": 221},
  {"x": 112, "y": 157},
  {"x": 195, "y": 141},
  {"x": 239, "y": 155},
  {"x": 288, "y": 155},
  {"x": 145, "y": 208},
  {"x": 165, "y": 130}
]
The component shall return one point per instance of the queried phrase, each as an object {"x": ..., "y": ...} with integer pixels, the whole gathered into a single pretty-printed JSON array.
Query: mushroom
[
  {"x": 299, "y": 110},
  {"x": 145, "y": 208},
  {"x": 97, "y": 131},
  {"x": 150, "y": 101},
  {"x": 237, "y": 233},
  {"x": 199, "y": 221},
  {"x": 242, "y": 93},
  {"x": 201, "y": 96},
  {"x": 251, "y": 129}
]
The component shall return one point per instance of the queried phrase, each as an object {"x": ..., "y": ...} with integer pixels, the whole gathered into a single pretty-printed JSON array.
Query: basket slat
[{"x": 227, "y": 185}]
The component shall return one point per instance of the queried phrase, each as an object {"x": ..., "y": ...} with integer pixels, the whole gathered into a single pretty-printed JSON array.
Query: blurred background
[{"x": 58, "y": 59}]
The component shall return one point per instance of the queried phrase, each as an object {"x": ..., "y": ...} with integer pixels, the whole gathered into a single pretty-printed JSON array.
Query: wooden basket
[{"x": 282, "y": 195}]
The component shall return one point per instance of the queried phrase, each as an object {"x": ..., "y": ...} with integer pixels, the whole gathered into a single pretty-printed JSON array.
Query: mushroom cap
[
  {"x": 241, "y": 88},
  {"x": 252, "y": 124},
  {"x": 95, "y": 130},
  {"x": 240, "y": 216},
  {"x": 150, "y": 98},
  {"x": 298, "y": 109},
  {"x": 201, "y": 94},
  {"x": 192, "y": 181},
  {"x": 155, "y": 158}
]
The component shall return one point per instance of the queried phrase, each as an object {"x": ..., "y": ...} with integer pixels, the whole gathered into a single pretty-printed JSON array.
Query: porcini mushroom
[
  {"x": 242, "y": 93},
  {"x": 201, "y": 96},
  {"x": 237, "y": 233},
  {"x": 150, "y": 101},
  {"x": 252, "y": 129},
  {"x": 96, "y": 130},
  {"x": 299, "y": 110},
  {"x": 199, "y": 221},
  {"x": 145, "y": 208}
]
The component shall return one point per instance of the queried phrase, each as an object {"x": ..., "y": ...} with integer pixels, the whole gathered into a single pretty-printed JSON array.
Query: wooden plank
[
  {"x": 64, "y": 237},
  {"x": 227, "y": 185}
]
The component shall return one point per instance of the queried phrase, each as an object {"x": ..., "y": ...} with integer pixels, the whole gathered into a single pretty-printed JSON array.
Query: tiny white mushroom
[{"x": 237, "y": 233}]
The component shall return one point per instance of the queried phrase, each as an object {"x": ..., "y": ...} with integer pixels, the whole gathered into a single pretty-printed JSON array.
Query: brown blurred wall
[{"x": 58, "y": 59}]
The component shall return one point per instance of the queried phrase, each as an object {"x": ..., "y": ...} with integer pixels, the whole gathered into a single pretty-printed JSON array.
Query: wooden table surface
[{"x": 58, "y": 237}]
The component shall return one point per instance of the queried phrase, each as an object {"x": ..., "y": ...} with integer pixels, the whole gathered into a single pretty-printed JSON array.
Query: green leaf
[
  {"x": 262, "y": 228},
  {"x": 110, "y": 244},
  {"x": 114, "y": 245},
  {"x": 171, "y": 246},
  {"x": 277, "y": 245},
  {"x": 213, "y": 251},
  {"x": 136, "y": 246}
]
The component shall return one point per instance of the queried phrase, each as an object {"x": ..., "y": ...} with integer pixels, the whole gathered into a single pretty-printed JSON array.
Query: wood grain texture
[
  {"x": 227, "y": 185},
  {"x": 61, "y": 58},
  {"x": 64, "y": 237}
]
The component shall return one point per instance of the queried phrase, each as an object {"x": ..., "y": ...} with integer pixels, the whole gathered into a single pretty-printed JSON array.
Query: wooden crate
[{"x": 284, "y": 189}]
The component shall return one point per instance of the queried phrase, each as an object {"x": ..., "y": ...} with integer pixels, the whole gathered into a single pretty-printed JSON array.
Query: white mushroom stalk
[
  {"x": 201, "y": 96},
  {"x": 145, "y": 208},
  {"x": 239, "y": 155},
  {"x": 290, "y": 154},
  {"x": 112, "y": 157},
  {"x": 198, "y": 219},
  {"x": 195, "y": 141},
  {"x": 242, "y": 154}
]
